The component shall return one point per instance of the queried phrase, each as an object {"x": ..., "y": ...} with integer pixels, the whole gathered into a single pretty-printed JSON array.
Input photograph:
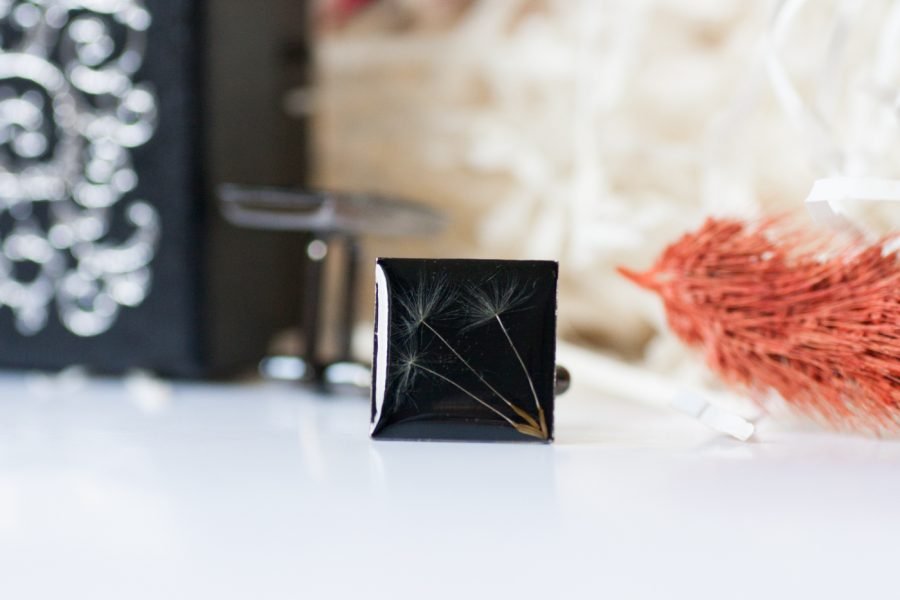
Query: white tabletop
[{"x": 112, "y": 490}]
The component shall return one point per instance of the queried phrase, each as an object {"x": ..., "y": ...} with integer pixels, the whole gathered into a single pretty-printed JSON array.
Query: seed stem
[
  {"x": 515, "y": 408},
  {"x": 470, "y": 394},
  {"x": 537, "y": 402}
]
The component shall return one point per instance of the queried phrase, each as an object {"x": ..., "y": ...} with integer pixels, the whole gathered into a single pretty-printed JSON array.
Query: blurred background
[
  {"x": 596, "y": 132},
  {"x": 590, "y": 132}
]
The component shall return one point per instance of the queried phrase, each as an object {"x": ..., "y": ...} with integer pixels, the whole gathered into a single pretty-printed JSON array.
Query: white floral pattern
[{"x": 72, "y": 236}]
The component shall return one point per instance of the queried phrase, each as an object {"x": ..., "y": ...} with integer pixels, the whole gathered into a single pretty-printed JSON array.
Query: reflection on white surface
[{"x": 265, "y": 491}]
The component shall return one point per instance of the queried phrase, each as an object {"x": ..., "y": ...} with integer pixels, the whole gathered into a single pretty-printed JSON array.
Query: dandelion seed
[
  {"x": 432, "y": 299},
  {"x": 500, "y": 296},
  {"x": 405, "y": 368},
  {"x": 429, "y": 299},
  {"x": 409, "y": 364}
]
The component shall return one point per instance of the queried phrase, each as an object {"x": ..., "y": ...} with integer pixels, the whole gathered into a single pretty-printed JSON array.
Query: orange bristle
[{"x": 775, "y": 309}]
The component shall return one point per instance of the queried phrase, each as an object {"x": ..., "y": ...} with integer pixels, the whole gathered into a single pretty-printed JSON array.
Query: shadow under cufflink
[{"x": 464, "y": 350}]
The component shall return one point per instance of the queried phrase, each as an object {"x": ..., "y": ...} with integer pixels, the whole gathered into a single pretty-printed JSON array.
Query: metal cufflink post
[{"x": 334, "y": 222}]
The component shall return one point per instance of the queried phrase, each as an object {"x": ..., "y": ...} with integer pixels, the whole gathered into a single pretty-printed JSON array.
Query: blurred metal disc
[{"x": 287, "y": 209}]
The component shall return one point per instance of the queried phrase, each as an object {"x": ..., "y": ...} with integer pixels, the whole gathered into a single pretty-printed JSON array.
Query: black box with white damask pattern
[{"x": 118, "y": 119}]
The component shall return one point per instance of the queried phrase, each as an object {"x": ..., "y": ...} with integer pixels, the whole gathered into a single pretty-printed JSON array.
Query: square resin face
[{"x": 464, "y": 349}]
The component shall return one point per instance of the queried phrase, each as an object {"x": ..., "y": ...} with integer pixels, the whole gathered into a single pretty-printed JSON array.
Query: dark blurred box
[{"x": 118, "y": 120}]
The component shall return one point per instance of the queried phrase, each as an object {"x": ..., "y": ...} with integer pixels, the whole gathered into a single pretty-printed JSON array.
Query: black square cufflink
[{"x": 464, "y": 349}]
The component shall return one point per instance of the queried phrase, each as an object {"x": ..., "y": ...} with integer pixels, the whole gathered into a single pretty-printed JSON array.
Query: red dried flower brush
[{"x": 776, "y": 310}]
